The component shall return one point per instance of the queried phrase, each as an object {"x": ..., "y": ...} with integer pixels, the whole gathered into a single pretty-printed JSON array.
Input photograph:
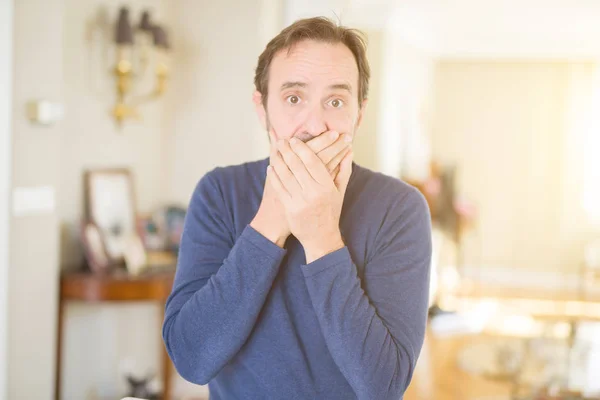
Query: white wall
[
  {"x": 405, "y": 115},
  {"x": 334, "y": 9},
  {"x": 395, "y": 137},
  {"x": 34, "y": 266},
  {"x": 212, "y": 118},
  {"x": 6, "y": 37},
  {"x": 516, "y": 131}
]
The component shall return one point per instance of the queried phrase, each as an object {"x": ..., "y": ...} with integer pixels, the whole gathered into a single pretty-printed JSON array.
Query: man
[{"x": 303, "y": 276}]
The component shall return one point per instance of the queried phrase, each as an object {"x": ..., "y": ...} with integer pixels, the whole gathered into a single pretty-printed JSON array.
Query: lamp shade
[
  {"x": 160, "y": 37},
  {"x": 124, "y": 33},
  {"x": 145, "y": 24}
]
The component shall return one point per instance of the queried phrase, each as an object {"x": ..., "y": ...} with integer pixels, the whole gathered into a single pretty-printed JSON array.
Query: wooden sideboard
[{"x": 114, "y": 287}]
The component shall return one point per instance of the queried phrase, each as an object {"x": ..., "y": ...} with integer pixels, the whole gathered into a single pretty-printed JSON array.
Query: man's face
[{"x": 312, "y": 90}]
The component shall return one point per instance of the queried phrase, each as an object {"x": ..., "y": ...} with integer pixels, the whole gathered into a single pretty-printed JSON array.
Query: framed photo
[
  {"x": 93, "y": 245},
  {"x": 110, "y": 206}
]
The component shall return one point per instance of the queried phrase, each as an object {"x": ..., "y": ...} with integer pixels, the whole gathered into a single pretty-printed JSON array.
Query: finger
[
  {"x": 343, "y": 177},
  {"x": 338, "y": 159},
  {"x": 312, "y": 164},
  {"x": 286, "y": 177},
  {"x": 335, "y": 172},
  {"x": 295, "y": 164},
  {"x": 329, "y": 153},
  {"x": 277, "y": 185},
  {"x": 323, "y": 141}
]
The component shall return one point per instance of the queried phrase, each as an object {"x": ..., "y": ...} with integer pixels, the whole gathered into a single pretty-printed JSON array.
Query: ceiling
[{"x": 489, "y": 28}]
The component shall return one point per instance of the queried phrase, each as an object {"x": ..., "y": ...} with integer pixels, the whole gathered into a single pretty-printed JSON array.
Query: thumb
[{"x": 342, "y": 178}]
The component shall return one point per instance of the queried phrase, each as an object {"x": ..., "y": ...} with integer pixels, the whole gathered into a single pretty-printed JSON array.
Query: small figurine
[{"x": 144, "y": 388}]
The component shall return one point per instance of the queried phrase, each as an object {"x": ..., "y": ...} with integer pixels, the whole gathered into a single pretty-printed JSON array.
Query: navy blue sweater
[{"x": 255, "y": 322}]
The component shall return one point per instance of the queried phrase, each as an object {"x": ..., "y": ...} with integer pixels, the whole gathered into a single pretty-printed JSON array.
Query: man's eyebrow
[
  {"x": 342, "y": 86},
  {"x": 288, "y": 85}
]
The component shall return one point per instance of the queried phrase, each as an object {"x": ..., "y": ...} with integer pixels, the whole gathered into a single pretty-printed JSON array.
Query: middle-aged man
[{"x": 304, "y": 275}]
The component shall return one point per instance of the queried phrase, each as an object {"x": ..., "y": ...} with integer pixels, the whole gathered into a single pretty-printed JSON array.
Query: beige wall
[
  {"x": 212, "y": 119},
  {"x": 366, "y": 140},
  {"x": 6, "y": 24},
  {"x": 33, "y": 273},
  {"x": 512, "y": 129}
]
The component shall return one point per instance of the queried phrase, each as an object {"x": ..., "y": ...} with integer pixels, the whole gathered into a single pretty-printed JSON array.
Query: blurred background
[{"x": 111, "y": 111}]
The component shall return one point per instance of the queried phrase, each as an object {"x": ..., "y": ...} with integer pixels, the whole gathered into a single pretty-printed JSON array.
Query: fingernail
[
  {"x": 293, "y": 140},
  {"x": 334, "y": 134},
  {"x": 347, "y": 138}
]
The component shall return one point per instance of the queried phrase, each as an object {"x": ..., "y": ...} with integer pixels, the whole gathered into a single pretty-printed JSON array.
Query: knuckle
[{"x": 313, "y": 160}]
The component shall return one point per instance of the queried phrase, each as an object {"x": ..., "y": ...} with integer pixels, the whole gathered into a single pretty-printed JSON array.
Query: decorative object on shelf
[
  {"x": 162, "y": 230},
  {"x": 110, "y": 205},
  {"x": 136, "y": 258},
  {"x": 170, "y": 221},
  {"x": 450, "y": 212},
  {"x": 141, "y": 384},
  {"x": 143, "y": 388},
  {"x": 149, "y": 233},
  {"x": 138, "y": 47},
  {"x": 93, "y": 246}
]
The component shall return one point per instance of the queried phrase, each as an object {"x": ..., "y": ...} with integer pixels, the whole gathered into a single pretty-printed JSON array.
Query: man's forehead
[{"x": 310, "y": 63}]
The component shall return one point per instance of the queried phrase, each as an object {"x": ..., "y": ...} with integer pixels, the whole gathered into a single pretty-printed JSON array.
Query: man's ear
[
  {"x": 260, "y": 108},
  {"x": 361, "y": 112}
]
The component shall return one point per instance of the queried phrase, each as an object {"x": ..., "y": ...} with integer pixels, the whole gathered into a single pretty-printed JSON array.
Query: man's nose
[{"x": 315, "y": 123}]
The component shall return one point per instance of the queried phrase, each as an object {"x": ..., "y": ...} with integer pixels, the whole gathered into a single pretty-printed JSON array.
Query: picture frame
[{"x": 110, "y": 206}]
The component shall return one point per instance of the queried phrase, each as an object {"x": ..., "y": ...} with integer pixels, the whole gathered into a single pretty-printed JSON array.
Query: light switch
[
  {"x": 45, "y": 112},
  {"x": 33, "y": 200}
]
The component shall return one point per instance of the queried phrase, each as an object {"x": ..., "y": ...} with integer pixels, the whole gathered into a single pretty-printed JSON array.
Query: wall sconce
[{"x": 137, "y": 48}]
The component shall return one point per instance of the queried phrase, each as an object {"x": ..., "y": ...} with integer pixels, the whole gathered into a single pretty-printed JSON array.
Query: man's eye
[
  {"x": 293, "y": 99},
  {"x": 336, "y": 103}
]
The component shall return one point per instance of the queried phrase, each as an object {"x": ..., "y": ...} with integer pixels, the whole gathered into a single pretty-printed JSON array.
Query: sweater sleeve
[
  {"x": 219, "y": 288},
  {"x": 375, "y": 328}
]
